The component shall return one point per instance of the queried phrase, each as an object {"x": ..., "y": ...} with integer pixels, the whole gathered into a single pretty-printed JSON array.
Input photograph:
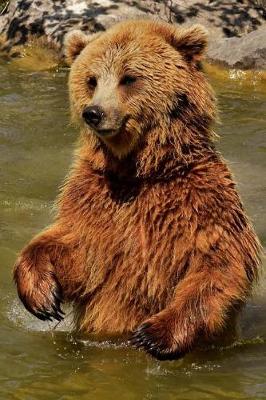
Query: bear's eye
[
  {"x": 128, "y": 80},
  {"x": 92, "y": 82}
]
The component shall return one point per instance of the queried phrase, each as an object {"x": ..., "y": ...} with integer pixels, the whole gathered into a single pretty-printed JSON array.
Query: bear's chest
[{"x": 134, "y": 237}]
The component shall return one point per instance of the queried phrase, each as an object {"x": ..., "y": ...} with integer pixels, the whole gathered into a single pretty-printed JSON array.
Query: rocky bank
[{"x": 237, "y": 29}]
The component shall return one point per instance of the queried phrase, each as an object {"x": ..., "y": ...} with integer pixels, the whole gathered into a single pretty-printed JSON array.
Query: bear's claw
[
  {"x": 144, "y": 338},
  {"x": 55, "y": 311},
  {"x": 45, "y": 307}
]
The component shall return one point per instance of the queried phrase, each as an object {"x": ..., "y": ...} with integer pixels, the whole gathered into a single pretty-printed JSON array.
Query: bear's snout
[
  {"x": 93, "y": 116},
  {"x": 104, "y": 121}
]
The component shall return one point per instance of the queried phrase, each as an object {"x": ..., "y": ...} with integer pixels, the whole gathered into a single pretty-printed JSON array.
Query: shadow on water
[{"x": 37, "y": 361}]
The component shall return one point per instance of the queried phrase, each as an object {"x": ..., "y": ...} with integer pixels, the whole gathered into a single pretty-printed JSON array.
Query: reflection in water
[{"x": 39, "y": 360}]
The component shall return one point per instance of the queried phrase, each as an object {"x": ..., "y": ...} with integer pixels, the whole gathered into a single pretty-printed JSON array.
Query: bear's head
[{"x": 137, "y": 77}]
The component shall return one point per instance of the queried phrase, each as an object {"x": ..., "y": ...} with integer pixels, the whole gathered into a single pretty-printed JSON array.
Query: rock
[
  {"x": 225, "y": 20},
  {"x": 246, "y": 52},
  {"x": 51, "y": 19}
]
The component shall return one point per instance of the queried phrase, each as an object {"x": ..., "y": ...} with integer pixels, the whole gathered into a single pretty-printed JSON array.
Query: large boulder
[
  {"x": 52, "y": 19},
  {"x": 246, "y": 52},
  {"x": 236, "y": 28}
]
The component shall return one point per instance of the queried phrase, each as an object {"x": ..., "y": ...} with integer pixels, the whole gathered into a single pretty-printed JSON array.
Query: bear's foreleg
[
  {"x": 199, "y": 309},
  {"x": 218, "y": 281}
]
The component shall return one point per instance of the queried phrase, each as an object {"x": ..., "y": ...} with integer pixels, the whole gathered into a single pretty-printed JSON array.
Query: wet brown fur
[{"x": 150, "y": 234}]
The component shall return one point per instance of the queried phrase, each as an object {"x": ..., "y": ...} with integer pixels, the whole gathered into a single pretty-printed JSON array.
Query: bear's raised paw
[{"x": 39, "y": 289}]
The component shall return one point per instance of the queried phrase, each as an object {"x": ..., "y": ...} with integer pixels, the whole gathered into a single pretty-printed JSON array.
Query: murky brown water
[{"x": 39, "y": 363}]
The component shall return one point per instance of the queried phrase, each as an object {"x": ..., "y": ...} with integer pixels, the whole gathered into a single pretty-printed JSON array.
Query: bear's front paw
[
  {"x": 161, "y": 338},
  {"x": 39, "y": 289}
]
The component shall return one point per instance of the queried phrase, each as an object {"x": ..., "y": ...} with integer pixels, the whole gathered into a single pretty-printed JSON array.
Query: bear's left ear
[
  {"x": 75, "y": 41},
  {"x": 190, "y": 42}
]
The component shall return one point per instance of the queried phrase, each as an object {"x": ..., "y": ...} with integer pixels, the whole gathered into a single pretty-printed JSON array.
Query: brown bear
[{"x": 150, "y": 236}]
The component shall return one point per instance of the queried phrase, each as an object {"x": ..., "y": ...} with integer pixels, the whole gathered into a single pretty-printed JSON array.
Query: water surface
[{"x": 40, "y": 362}]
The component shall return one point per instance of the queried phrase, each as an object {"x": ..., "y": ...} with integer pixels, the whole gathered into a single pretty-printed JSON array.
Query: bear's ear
[
  {"x": 75, "y": 41},
  {"x": 191, "y": 41}
]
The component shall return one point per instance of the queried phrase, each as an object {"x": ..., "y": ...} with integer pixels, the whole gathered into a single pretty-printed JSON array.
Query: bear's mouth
[
  {"x": 106, "y": 132},
  {"x": 110, "y": 132}
]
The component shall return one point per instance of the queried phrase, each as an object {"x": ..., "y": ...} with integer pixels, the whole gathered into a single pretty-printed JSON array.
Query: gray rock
[
  {"x": 225, "y": 20},
  {"x": 246, "y": 52}
]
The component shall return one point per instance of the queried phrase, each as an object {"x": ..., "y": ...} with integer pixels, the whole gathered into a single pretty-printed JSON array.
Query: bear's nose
[{"x": 93, "y": 115}]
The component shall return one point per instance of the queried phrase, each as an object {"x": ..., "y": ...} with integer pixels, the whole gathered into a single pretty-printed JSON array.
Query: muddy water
[{"x": 39, "y": 361}]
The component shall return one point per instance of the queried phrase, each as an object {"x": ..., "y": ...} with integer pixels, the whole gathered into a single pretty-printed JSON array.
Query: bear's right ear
[{"x": 75, "y": 41}]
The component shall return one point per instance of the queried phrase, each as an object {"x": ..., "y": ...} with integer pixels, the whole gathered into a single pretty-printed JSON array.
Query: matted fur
[{"x": 150, "y": 233}]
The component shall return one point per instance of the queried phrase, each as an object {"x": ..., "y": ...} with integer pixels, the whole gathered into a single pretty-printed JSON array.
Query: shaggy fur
[{"x": 150, "y": 234}]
